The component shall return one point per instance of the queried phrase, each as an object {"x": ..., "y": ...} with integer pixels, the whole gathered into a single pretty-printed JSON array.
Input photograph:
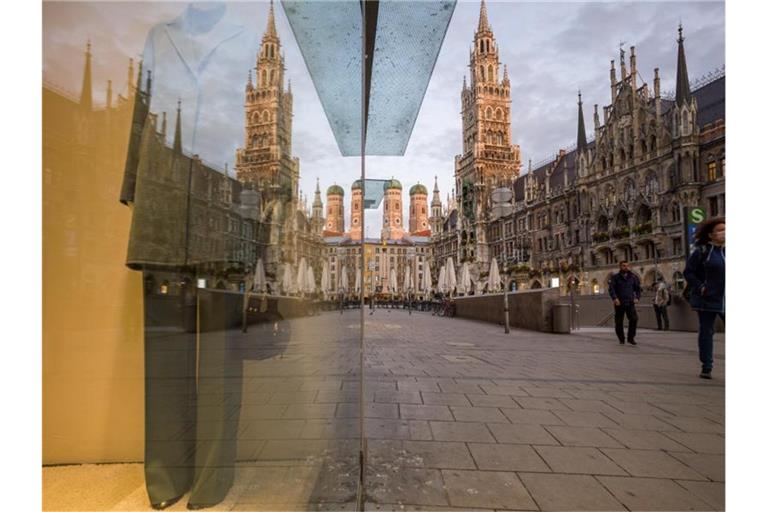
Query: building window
[
  {"x": 677, "y": 246},
  {"x": 712, "y": 171},
  {"x": 713, "y": 211},
  {"x": 722, "y": 167}
]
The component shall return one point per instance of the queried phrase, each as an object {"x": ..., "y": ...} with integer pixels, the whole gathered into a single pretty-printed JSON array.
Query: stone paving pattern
[{"x": 459, "y": 415}]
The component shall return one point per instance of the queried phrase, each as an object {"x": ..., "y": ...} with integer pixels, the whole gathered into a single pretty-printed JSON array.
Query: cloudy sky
[{"x": 552, "y": 50}]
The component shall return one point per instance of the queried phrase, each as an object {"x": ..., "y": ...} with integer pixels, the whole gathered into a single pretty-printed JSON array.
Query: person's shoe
[
  {"x": 706, "y": 374},
  {"x": 632, "y": 342},
  {"x": 621, "y": 342},
  {"x": 167, "y": 503}
]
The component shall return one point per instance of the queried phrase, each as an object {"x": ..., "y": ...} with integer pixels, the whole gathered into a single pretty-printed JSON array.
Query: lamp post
[
  {"x": 502, "y": 207},
  {"x": 411, "y": 255}
]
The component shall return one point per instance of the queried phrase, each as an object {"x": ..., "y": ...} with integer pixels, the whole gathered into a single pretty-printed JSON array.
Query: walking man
[
  {"x": 660, "y": 303},
  {"x": 624, "y": 288}
]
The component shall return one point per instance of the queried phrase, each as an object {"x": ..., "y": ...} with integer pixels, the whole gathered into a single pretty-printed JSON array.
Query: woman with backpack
[{"x": 705, "y": 276}]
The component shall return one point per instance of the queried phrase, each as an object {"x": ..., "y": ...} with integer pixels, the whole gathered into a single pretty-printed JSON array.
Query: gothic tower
[
  {"x": 435, "y": 218},
  {"x": 265, "y": 161},
  {"x": 489, "y": 159},
  {"x": 318, "y": 222},
  {"x": 393, "y": 211},
  {"x": 418, "y": 218},
  {"x": 334, "y": 213},
  {"x": 356, "y": 217},
  {"x": 685, "y": 133}
]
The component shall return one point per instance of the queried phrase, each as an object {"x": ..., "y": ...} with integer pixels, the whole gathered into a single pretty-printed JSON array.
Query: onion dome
[
  {"x": 335, "y": 190},
  {"x": 357, "y": 185},
  {"x": 418, "y": 189},
  {"x": 393, "y": 183}
]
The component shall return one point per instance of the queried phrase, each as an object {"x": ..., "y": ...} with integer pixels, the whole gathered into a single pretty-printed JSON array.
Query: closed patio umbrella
[{"x": 494, "y": 279}]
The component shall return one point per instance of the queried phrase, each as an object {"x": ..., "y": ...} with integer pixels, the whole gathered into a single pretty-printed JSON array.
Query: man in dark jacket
[{"x": 624, "y": 288}]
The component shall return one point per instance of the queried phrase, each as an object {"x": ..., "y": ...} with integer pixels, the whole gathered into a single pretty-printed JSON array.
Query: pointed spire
[
  {"x": 581, "y": 139},
  {"x": 109, "y": 93},
  {"x": 250, "y": 79},
  {"x": 483, "y": 24},
  {"x": 436, "y": 190},
  {"x": 506, "y": 75},
  {"x": 130, "y": 75},
  {"x": 86, "y": 98},
  {"x": 683, "y": 91},
  {"x": 226, "y": 169},
  {"x": 271, "y": 30},
  {"x": 177, "y": 133},
  {"x": 164, "y": 126},
  {"x": 138, "y": 79}
]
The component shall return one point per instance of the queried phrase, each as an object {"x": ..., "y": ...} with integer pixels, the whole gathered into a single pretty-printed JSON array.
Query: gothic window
[
  {"x": 684, "y": 127},
  {"x": 264, "y": 77},
  {"x": 712, "y": 171},
  {"x": 651, "y": 184},
  {"x": 490, "y": 73},
  {"x": 482, "y": 74},
  {"x": 629, "y": 190},
  {"x": 488, "y": 113},
  {"x": 498, "y": 114}
]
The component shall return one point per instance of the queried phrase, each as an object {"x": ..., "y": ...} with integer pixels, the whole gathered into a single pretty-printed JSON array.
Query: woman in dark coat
[{"x": 705, "y": 274}]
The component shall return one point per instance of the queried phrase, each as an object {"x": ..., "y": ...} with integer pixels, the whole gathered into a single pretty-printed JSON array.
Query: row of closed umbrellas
[{"x": 447, "y": 281}]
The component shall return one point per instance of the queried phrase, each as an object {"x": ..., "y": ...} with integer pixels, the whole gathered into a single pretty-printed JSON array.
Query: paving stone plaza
[{"x": 458, "y": 415}]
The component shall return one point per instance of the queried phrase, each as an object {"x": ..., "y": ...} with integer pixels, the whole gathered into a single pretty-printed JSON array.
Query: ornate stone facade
[{"x": 620, "y": 197}]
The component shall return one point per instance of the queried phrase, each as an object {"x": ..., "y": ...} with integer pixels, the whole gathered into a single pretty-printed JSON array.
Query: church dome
[
  {"x": 418, "y": 189},
  {"x": 393, "y": 183},
  {"x": 335, "y": 190},
  {"x": 357, "y": 185}
]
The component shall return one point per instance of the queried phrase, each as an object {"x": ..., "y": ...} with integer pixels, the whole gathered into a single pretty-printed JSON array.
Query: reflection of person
[
  {"x": 199, "y": 61},
  {"x": 705, "y": 275},
  {"x": 624, "y": 288},
  {"x": 660, "y": 302}
]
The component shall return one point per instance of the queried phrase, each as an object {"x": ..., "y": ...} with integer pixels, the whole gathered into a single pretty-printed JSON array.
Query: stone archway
[{"x": 535, "y": 285}]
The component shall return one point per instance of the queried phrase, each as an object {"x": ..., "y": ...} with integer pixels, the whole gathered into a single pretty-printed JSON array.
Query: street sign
[{"x": 693, "y": 217}]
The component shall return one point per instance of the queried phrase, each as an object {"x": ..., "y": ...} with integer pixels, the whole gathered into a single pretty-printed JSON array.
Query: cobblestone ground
[{"x": 458, "y": 415}]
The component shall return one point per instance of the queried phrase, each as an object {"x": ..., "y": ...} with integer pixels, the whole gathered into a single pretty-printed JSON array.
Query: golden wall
[{"x": 93, "y": 368}]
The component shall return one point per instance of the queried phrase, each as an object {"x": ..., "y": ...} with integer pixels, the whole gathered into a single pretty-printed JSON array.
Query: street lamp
[
  {"x": 410, "y": 254},
  {"x": 502, "y": 207}
]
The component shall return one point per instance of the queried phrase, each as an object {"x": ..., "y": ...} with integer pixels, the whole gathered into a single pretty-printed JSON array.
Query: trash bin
[{"x": 561, "y": 318}]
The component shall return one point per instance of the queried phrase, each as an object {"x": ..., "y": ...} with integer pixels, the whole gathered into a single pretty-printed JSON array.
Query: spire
[
  {"x": 250, "y": 80},
  {"x": 86, "y": 99},
  {"x": 506, "y": 75},
  {"x": 436, "y": 190},
  {"x": 138, "y": 80},
  {"x": 177, "y": 133},
  {"x": 130, "y": 75},
  {"x": 109, "y": 93},
  {"x": 581, "y": 139},
  {"x": 271, "y": 30},
  {"x": 483, "y": 24},
  {"x": 164, "y": 126},
  {"x": 683, "y": 92},
  {"x": 318, "y": 202}
]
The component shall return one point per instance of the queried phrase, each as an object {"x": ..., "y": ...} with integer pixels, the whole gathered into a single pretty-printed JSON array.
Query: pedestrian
[
  {"x": 660, "y": 303},
  {"x": 624, "y": 288},
  {"x": 705, "y": 277}
]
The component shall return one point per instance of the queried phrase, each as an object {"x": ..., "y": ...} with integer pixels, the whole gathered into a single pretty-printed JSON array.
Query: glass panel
[{"x": 196, "y": 327}]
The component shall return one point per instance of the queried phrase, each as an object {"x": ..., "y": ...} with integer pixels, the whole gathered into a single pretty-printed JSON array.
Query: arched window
[
  {"x": 488, "y": 113},
  {"x": 499, "y": 114},
  {"x": 490, "y": 73},
  {"x": 482, "y": 74}
]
